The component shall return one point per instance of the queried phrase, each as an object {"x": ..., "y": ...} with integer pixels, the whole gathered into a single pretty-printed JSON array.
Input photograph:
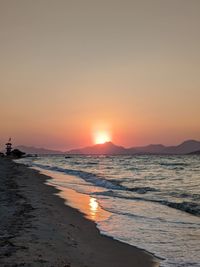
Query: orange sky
[{"x": 69, "y": 68}]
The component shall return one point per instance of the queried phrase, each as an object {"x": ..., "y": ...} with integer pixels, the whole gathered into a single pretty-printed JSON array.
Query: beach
[{"x": 38, "y": 229}]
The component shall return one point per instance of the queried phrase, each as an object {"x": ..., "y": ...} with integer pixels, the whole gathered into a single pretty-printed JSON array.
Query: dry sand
[{"x": 38, "y": 229}]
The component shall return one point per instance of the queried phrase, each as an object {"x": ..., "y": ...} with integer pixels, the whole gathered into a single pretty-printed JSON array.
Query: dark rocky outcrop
[{"x": 16, "y": 153}]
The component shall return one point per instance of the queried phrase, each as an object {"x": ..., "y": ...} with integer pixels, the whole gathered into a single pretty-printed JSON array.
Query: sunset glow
[
  {"x": 101, "y": 137},
  {"x": 71, "y": 79}
]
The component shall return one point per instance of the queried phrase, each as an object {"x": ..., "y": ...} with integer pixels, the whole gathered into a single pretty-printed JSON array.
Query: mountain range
[
  {"x": 36, "y": 150},
  {"x": 108, "y": 148}
]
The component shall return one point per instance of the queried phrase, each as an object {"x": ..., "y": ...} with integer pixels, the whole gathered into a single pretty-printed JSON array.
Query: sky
[{"x": 73, "y": 68}]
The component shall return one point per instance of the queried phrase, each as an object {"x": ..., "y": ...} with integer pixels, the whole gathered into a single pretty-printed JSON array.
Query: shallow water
[{"x": 153, "y": 201}]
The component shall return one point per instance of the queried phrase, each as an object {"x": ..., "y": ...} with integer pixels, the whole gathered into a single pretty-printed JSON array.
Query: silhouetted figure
[{"x": 8, "y": 147}]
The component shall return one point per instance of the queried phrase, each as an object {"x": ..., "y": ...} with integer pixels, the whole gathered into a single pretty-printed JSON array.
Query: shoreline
[
  {"x": 38, "y": 229},
  {"x": 80, "y": 202}
]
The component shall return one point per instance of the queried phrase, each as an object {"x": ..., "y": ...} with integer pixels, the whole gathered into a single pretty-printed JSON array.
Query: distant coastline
[{"x": 108, "y": 148}]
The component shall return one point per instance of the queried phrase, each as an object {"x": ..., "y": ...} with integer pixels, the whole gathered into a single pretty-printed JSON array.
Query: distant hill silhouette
[
  {"x": 106, "y": 148},
  {"x": 152, "y": 149},
  {"x": 195, "y": 153},
  {"x": 184, "y": 148},
  {"x": 35, "y": 150},
  {"x": 112, "y": 149},
  {"x": 109, "y": 148}
]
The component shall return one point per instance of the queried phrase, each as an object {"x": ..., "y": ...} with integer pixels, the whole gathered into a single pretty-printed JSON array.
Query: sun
[{"x": 101, "y": 137}]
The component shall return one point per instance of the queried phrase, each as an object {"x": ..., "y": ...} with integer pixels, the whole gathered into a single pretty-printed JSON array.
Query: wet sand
[{"x": 38, "y": 229}]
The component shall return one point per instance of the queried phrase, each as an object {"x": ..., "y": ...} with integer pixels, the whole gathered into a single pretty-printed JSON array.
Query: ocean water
[{"x": 153, "y": 201}]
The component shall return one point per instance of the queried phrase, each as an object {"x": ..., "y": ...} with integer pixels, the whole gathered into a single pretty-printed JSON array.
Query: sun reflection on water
[{"x": 93, "y": 207}]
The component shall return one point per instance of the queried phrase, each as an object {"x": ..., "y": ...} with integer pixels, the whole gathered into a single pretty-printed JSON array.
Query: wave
[
  {"x": 149, "y": 218},
  {"x": 186, "y": 206},
  {"x": 194, "y": 197},
  {"x": 87, "y": 176},
  {"x": 181, "y": 164},
  {"x": 143, "y": 190},
  {"x": 189, "y": 207},
  {"x": 99, "y": 181}
]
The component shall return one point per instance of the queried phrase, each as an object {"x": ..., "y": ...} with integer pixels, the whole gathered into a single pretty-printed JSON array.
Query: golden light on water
[
  {"x": 93, "y": 207},
  {"x": 101, "y": 137}
]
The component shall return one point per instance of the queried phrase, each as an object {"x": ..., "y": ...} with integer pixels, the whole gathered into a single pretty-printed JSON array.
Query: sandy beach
[{"x": 38, "y": 229}]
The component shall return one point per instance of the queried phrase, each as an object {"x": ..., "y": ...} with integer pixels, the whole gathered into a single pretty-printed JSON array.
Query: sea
[{"x": 151, "y": 202}]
